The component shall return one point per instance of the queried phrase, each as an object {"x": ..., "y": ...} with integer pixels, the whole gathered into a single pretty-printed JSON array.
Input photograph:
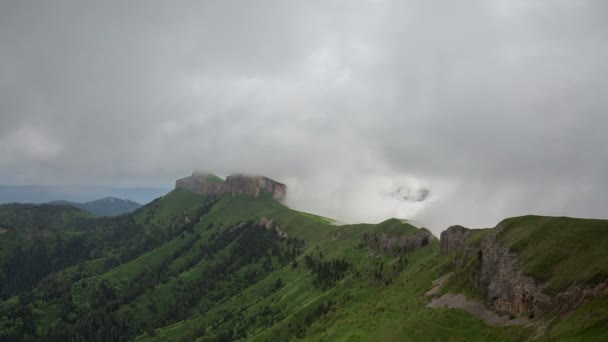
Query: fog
[{"x": 498, "y": 108}]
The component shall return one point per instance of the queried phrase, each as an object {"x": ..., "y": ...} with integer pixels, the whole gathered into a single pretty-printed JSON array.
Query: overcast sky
[{"x": 499, "y": 108}]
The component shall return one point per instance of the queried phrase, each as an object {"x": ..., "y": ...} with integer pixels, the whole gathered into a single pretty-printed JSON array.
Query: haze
[{"x": 497, "y": 107}]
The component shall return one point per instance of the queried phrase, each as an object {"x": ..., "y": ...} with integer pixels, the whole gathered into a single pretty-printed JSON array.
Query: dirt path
[{"x": 475, "y": 308}]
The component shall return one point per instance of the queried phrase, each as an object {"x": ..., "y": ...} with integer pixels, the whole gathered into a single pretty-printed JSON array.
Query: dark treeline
[
  {"x": 327, "y": 272},
  {"x": 253, "y": 252},
  {"x": 36, "y": 256},
  {"x": 31, "y": 268},
  {"x": 235, "y": 256}
]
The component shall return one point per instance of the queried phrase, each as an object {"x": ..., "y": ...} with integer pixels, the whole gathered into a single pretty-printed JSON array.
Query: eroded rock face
[
  {"x": 452, "y": 238},
  {"x": 395, "y": 245},
  {"x": 500, "y": 276},
  {"x": 252, "y": 186},
  {"x": 198, "y": 183},
  {"x": 270, "y": 225},
  {"x": 508, "y": 289}
]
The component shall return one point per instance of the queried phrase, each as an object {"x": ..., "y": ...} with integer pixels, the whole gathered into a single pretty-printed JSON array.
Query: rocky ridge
[
  {"x": 452, "y": 238},
  {"x": 396, "y": 245},
  {"x": 500, "y": 276},
  {"x": 238, "y": 184}
]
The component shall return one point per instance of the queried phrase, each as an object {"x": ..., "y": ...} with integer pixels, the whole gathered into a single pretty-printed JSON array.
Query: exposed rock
[
  {"x": 270, "y": 225},
  {"x": 500, "y": 276},
  {"x": 254, "y": 186},
  {"x": 396, "y": 245},
  {"x": 475, "y": 308},
  {"x": 508, "y": 288},
  {"x": 452, "y": 238},
  {"x": 577, "y": 296},
  {"x": 199, "y": 183}
]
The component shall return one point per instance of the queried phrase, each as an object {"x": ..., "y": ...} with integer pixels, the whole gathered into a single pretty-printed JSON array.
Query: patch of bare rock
[{"x": 476, "y": 308}]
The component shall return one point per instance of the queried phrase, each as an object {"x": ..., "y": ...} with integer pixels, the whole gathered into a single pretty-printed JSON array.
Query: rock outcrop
[
  {"x": 254, "y": 186},
  {"x": 270, "y": 225},
  {"x": 508, "y": 289},
  {"x": 499, "y": 274},
  {"x": 452, "y": 238},
  {"x": 200, "y": 183},
  {"x": 395, "y": 245}
]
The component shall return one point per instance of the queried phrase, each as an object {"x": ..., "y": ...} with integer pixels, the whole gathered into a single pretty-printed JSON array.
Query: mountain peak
[{"x": 236, "y": 184}]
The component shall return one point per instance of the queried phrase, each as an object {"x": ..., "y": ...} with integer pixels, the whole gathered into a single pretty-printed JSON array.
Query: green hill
[
  {"x": 107, "y": 206},
  {"x": 219, "y": 268}
]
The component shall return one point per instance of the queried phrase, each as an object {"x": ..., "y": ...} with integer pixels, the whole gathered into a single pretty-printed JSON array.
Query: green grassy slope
[
  {"x": 559, "y": 250},
  {"x": 190, "y": 267},
  {"x": 25, "y": 217}
]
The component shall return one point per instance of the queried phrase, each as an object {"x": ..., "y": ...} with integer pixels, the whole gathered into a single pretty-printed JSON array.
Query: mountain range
[
  {"x": 107, "y": 206},
  {"x": 230, "y": 262},
  {"x": 77, "y": 194}
]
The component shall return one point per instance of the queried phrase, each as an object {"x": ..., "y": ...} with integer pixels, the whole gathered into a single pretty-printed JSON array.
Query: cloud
[{"x": 497, "y": 107}]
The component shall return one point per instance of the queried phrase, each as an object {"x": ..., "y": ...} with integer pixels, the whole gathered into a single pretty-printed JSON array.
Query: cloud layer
[{"x": 497, "y": 107}]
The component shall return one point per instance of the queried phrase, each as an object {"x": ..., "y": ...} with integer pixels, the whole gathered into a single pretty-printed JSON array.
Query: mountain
[
  {"x": 241, "y": 265},
  {"x": 210, "y": 184},
  {"x": 107, "y": 206},
  {"x": 77, "y": 194}
]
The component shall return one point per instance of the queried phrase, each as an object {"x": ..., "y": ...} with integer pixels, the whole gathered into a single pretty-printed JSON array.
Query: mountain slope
[
  {"x": 107, "y": 206},
  {"x": 78, "y": 194},
  {"x": 193, "y": 267}
]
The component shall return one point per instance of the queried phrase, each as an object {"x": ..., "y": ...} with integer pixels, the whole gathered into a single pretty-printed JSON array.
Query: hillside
[
  {"x": 237, "y": 267},
  {"x": 107, "y": 206},
  {"x": 79, "y": 194}
]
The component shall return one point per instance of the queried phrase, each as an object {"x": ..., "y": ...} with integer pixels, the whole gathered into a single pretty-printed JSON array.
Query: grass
[
  {"x": 587, "y": 323},
  {"x": 211, "y": 178},
  {"x": 561, "y": 251},
  {"x": 360, "y": 307},
  {"x": 364, "y": 310}
]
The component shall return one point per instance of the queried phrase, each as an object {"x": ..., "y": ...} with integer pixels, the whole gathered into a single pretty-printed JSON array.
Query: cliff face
[
  {"x": 199, "y": 183},
  {"x": 395, "y": 245},
  {"x": 452, "y": 238},
  {"x": 253, "y": 186},
  {"x": 500, "y": 276},
  {"x": 508, "y": 288}
]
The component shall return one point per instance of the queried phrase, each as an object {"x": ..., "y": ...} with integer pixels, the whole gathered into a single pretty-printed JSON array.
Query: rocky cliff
[
  {"x": 498, "y": 273},
  {"x": 200, "y": 183},
  {"x": 254, "y": 186},
  {"x": 508, "y": 289},
  {"x": 397, "y": 245},
  {"x": 452, "y": 238}
]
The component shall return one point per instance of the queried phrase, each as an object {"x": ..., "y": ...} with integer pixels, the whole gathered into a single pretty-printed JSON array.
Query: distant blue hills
[
  {"x": 107, "y": 206},
  {"x": 76, "y": 194}
]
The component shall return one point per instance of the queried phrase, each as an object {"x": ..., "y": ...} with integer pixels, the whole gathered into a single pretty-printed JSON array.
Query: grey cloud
[{"x": 498, "y": 107}]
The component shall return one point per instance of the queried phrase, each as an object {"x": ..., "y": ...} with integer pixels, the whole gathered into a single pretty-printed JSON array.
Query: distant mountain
[
  {"x": 107, "y": 206},
  {"x": 77, "y": 194}
]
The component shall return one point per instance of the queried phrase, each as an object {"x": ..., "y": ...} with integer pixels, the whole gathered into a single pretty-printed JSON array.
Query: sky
[{"x": 497, "y": 107}]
